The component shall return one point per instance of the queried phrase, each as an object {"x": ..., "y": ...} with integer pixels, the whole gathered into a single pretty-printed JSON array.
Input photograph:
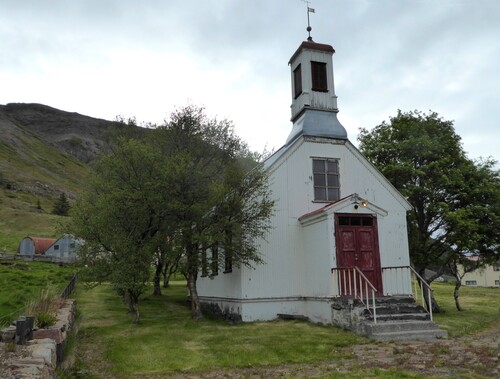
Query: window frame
[
  {"x": 319, "y": 76},
  {"x": 297, "y": 81},
  {"x": 318, "y": 177},
  {"x": 215, "y": 260},
  {"x": 204, "y": 267}
]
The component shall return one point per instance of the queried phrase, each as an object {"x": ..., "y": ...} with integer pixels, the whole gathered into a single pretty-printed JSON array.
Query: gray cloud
[{"x": 104, "y": 58}]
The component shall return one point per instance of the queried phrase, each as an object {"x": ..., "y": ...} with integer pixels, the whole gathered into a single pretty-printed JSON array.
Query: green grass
[
  {"x": 19, "y": 218},
  {"x": 30, "y": 171},
  {"x": 21, "y": 282},
  {"x": 168, "y": 342},
  {"x": 481, "y": 309}
]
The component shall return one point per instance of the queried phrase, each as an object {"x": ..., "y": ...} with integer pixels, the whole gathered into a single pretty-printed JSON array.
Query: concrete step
[
  {"x": 404, "y": 330},
  {"x": 400, "y": 317},
  {"x": 395, "y": 309},
  {"x": 381, "y": 300},
  {"x": 396, "y": 326},
  {"x": 422, "y": 335}
]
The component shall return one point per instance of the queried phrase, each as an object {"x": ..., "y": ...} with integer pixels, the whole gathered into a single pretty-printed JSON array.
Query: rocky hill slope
[
  {"x": 80, "y": 136},
  {"x": 43, "y": 153}
]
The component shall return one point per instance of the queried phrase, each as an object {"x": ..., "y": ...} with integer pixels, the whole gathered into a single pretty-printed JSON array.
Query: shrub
[
  {"x": 44, "y": 320},
  {"x": 44, "y": 308}
]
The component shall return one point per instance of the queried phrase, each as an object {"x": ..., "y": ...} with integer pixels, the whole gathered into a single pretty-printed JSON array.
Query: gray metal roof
[{"x": 317, "y": 123}]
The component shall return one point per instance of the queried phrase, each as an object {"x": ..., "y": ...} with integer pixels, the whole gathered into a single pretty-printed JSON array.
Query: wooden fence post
[
  {"x": 21, "y": 331},
  {"x": 30, "y": 320}
]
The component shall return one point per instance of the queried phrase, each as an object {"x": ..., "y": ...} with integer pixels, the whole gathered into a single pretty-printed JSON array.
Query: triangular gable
[
  {"x": 275, "y": 160},
  {"x": 380, "y": 177},
  {"x": 344, "y": 205}
]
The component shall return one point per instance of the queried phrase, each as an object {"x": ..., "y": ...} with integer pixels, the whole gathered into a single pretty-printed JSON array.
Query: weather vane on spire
[{"x": 309, "y": 10}]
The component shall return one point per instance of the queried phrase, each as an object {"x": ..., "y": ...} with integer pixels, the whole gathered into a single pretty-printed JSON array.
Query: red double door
[{"x": 357, "y": 246}]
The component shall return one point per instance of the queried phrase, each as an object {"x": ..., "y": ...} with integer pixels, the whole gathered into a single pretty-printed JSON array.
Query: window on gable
[
  {"x": 297, "y": 81},
  {"x": 318, "y": 76},
  {"x": 326, "y": 179},
  {"x": 56, "y": 247}
]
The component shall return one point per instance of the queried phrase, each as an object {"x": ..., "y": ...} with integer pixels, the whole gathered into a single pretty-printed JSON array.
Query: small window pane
[
  {"x": 367, "y": 222},
  {"x": 333, "y": 194},
  {"x": 333, "y": 180},
  {"x": 320, "y": 193},
  {"x": 318, "y": 165},
  {"x": 319, "y": 180},
  {"x": 333, "y": 166},
  {"x": 344, "y": 221},
  {"x": 355, "y": 221}
]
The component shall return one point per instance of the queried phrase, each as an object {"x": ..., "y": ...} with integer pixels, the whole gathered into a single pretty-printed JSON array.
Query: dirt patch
[{"x": 469, "y": 357}]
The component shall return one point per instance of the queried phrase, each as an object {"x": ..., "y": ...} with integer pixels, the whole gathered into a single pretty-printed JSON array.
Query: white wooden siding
[{"x": 297, "y": 275}]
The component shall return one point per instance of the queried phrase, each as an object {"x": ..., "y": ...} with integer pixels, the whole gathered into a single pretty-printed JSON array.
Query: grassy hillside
[
  {"x": 33, "y": 173},
  {"x": 19, "y": 217},
  {"x": 34, "y": 170},
  {"x": 43, "y": 153},
  {"x": 23, "y": 281},
  {"x": 30, "y": 165}
]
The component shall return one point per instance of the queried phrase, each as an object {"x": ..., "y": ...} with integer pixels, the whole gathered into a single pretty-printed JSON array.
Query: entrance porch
[{"x": 399, "y": 312}]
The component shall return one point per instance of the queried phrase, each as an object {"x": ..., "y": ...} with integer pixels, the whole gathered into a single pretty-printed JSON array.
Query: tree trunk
[
  {"x": 433, "y": 302},
  {"x": 137, "y": 313},
  {"x": 458, "y": 284},
  {"x": 195, "y": 301},
  {"x": 134, "y": 305},
  {"x": 127, "y": 300},
  {"x": 166, "y": 276},
  {"x": 157, "y": 278}
]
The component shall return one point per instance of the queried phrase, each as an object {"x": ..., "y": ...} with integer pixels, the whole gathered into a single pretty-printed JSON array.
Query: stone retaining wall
[{"x": 40, "y": 356}]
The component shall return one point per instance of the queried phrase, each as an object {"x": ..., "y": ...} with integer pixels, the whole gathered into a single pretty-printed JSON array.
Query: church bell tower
[{"x": 314, "y": 103}]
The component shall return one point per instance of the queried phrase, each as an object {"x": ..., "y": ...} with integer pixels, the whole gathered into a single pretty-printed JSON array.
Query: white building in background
[
  {"x": 487, "y": 276},
  {"x": 334, "y": 211},
  {"x": 64, "y": 249}
]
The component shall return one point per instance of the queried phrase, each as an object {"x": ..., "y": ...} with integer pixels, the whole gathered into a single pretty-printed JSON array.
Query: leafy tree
[
  {"x": 124, "y": 218},
  {"x": 61, "y": 206},
  {"x": 167, "y": 196},
  {"x": 455, "y": 200},
  {"x": 215, "y": 194}
]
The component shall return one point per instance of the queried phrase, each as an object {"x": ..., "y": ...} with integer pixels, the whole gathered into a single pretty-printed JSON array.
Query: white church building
[{"x": 339, "y": 227}]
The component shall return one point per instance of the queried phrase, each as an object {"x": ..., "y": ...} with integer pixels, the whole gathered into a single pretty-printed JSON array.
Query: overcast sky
[{"x": 104, "y": 58}]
